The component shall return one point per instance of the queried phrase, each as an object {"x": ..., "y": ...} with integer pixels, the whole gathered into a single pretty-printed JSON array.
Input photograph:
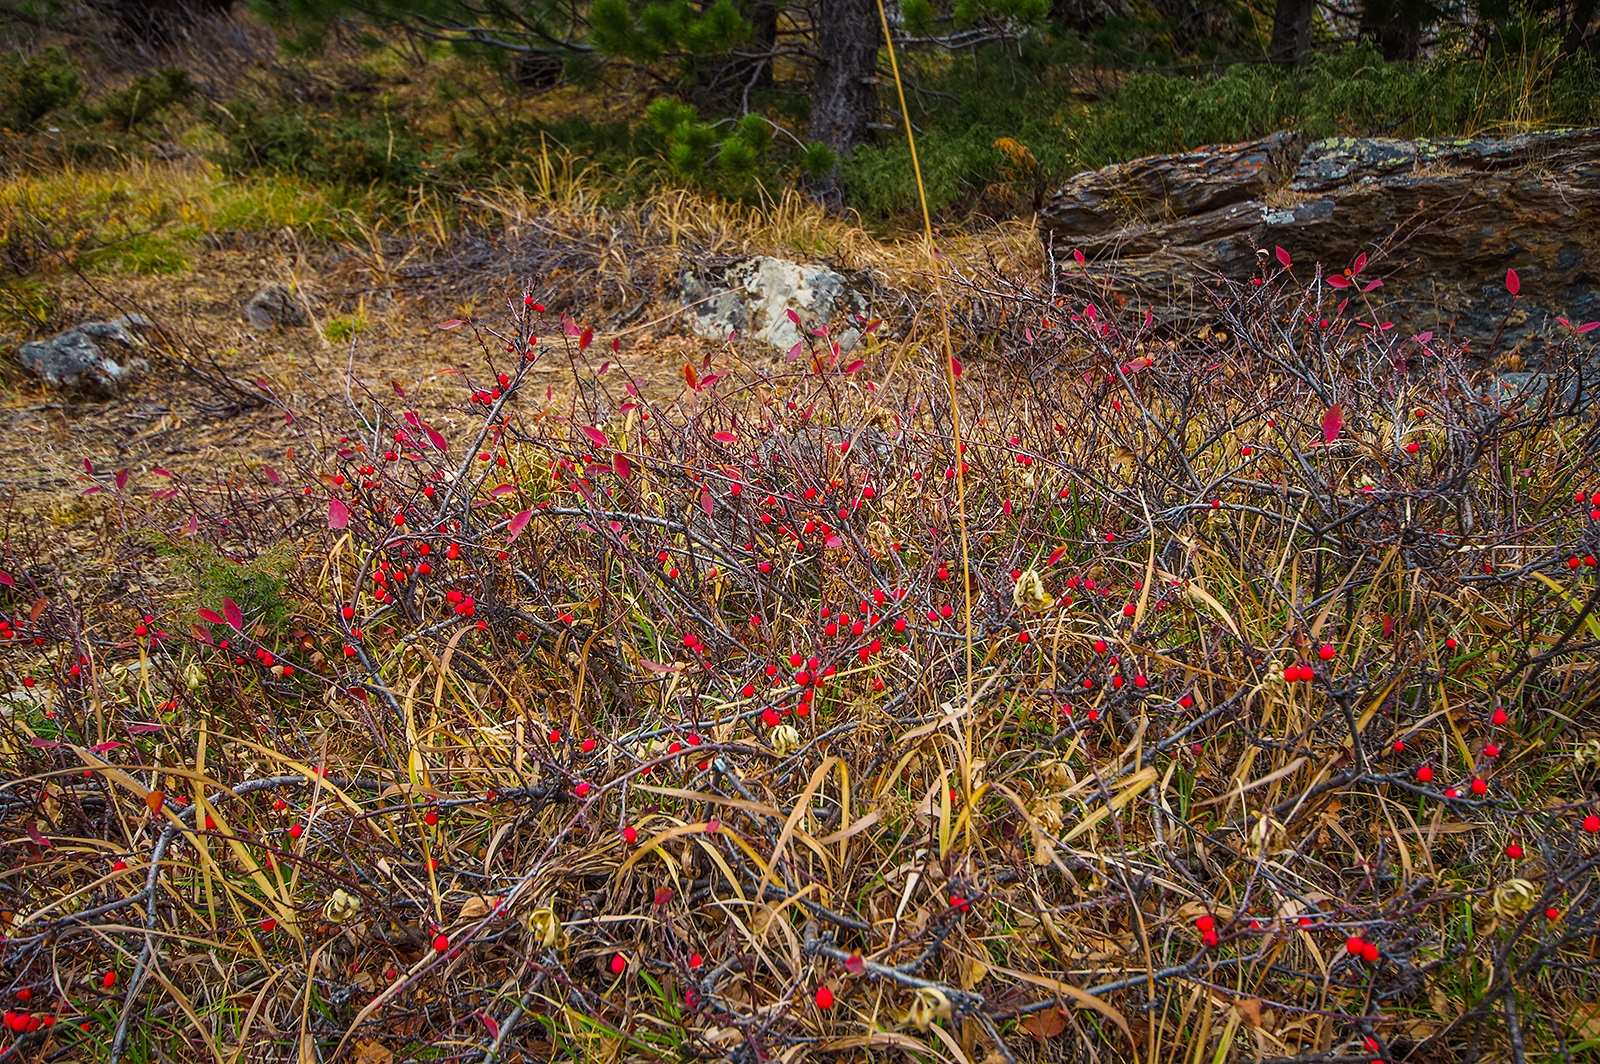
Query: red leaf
[
  {"x": 38, "y": 839},
  {"x": 872, "y": 326},
  {"x": 1332, "y": 422},
  {"x": 193, "y": 527},
  {"x": 518, "y": 523},
  {"x": 596, "y": 437},
  {"x": 1047, "y": 1024},
  {"x": 338, "y": 514},
  {"x": 144, "y": 726},
  {"x": 569, "y": 327},
  {"x": 1388, "y": 625},
  {"x": 1588, "y": 327},
  {"x": 1283, "y": 257},
  {"x": 656, "y": 666},
  {"x": 122, "y": 479},
  {"x": 199, "y": 634},
  {"x": 706, "y": 504},
  {"x": 585, "y": 339},
  {"x": 100, "y": 748},
  {"x": 616, "y": 346},
  {"x": 1027, "y": 333},
  {"x": 271, "y": 474},
  {"x": 1338, "y": 281},
  {"x": 235, "y": 616},
  {"x": 451, "y": 324},
  {"x": 834, "y": 543},
  {"x": 793, "y": 316},
  {"x": 1424, "y": 337},
  {"x": 502, "y": 489},
  {"x": 1055, "y": 555},
  {"x": 855, "y": 366},
  {"x": 955, "y": 365},
  {"x": 5, "y": 578},
  {"x": 620, "y": 466},
  {"x": 1358, "y": 265},
  {"x": 437, "y": 440},
  {"x": 631, "y": 390},
  {"x": 794, "y": 352},
  {"x": 690, "y": 377},
  {"x": 87, "y": 468},
  {"x": 211, "y": 615},
  {"x": 1077, "y": 256},
  {"x": 1513, "y": 282},
  {"x": 725, "y": 437},
  {"x": 855, "y": 964},
  {"x": 1373, "y": 284}
]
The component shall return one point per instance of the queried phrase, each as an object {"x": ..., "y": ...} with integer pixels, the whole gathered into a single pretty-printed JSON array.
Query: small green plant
[{"x": 344, "y": 328}]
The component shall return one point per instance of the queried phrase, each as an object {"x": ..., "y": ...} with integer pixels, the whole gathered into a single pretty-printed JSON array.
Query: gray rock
[
  {"x": 275, "y": 305},
  {"x": 1577, "y": 392},
  {"x": 97, "y": 358},
  {"x": 1457, "y": 213},
  {"x": 753, "y": 297}
]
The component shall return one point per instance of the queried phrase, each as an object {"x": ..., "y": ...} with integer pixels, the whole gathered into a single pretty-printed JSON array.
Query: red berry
[
  {"x": 1480, "y": 787},
  {"x": 1552, "y": 913},
  {"x": 1499, "y": 717},
  {"x": 619, "y": 964},
  {"x": 1591, "y": 823},
  {"x": 1424, "y": 774},
  {"x": 1205, "y": 923},
  {"x": 1369, "y": 952},
  {"x": 1514, "y": 851},
  {"x": 629, "y": 834},
  {"x": 109, "y": 980},
  {"x": 581, "y": 790},
  {"x": 430, "y": 818},
  {"x": 296, "y": 830},
  {"x": 824, "y": 998},
  {"x": 588, "y": 746},
  {"x": 1354, "y": 944},
  {"x": 441, "y": 943},
  {"x": 1327, "y": 653}
]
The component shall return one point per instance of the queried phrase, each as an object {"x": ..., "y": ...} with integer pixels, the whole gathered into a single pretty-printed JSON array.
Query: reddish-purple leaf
[
  {"x": 451, "y": 324},
  {"x": 437, "y": 440},
  {"x": 38, "y": 839},
  {"x": 94, "y": 490},
  {"x": 100, "y": 748},
  {"x": 1589, "y": 327},
  {"x": 1373, "y": 284},
  {"x": 855, "y": 366},
  {"x": 87, "y": 468},
  {"x": 725, "y": 437},
  {"x": 596, "y": 437},
  {"x": 271, "y": 473},
  {"x": 1077, "y": 256},
  {"x": 142, "y": 727},
  {"x": 570, "y": 327},
  {"x": 338, "y": 514},
  {"x": 793, "y": 316},
  {"x": 656, "y": 666},
  {"x": 193, "y": 527},
  {"x": 955, "y": 366},
  {"x": 40, "y": 744},
  {"x": 235, "y": 616},
  {"x": 1027, "y": 333},
  {"x": 158, "y": 471},
  {"x": 1332, "y": 422},
  {"x": 199, "y": 634},
  {"x": 5, "y": 578},
  {"x": 517, "y": 524},
  {"x": 706, "y": 503},
  {"x": 1055, "y": 556},
  {"x": 620, "y": 465},
  {"x": 631, "y": 390},
  {"x": 211, "y": 615},
  {"x": 872, "y": 327},
  {"x": 1283, "y": 257},
  {"x": 1388, "y": 625},
  {"x": 502, "y": 489},
  {"x": 490, "y": 1024},
  {"x": 855, "y": 964},
  {"x": 834, "y": 543},
  {"x": 1358, "y": 265},
  {"x": 794, "y": 352},
  {"x": 122, "y": 479},
  {"x": 616, "y": 346},
  {"x": 585, "y": 339},
  {"x": 1513, "y": 282},
  {"x": 1338, "y": 281},
  {"x": 1149, "y": 316},
  {"x": 1424, "y": 337}
]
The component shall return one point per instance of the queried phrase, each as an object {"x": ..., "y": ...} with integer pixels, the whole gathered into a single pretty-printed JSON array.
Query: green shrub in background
[
  {"x": 34, "y": 87},
  {"x": 1350, "y": 92},
  {"x": 344, "y": 145}
]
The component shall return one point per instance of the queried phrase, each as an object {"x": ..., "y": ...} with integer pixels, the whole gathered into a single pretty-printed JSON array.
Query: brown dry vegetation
[{"x": 552, "y": 793}]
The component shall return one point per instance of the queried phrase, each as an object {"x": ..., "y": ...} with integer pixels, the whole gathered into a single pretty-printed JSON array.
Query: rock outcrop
[{"x": 1440, "y": 221}]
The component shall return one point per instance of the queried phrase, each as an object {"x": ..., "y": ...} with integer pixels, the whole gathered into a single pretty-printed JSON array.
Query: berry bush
[{"x": 1217, "y": 693}]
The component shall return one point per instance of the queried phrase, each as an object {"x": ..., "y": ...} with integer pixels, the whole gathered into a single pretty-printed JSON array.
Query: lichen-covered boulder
[
  {"x": 753, "y": 297},
  {"x": 99, "y": 359}
]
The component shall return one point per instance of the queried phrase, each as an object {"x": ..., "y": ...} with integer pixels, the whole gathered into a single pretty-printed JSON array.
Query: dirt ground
[{"x": 197, "y": 423}]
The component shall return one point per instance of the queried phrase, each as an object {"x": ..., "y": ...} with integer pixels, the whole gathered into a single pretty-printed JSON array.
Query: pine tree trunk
[
  {"x": 1579, "y": 38},
  {"x": 844, "y": 95},
  {"x": 1291, "y": 31}
]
